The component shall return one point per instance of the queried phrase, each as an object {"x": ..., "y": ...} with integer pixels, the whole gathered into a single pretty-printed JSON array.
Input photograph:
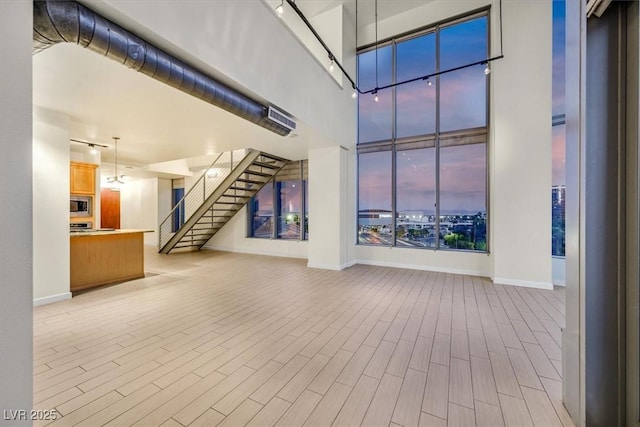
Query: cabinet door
[
  {"x": 83, "y": 178},
  {"x": 109, "y": 208}
]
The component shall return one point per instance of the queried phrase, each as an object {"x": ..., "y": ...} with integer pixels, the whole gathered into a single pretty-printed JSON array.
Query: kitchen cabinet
[{"x": 82, "y": 177}]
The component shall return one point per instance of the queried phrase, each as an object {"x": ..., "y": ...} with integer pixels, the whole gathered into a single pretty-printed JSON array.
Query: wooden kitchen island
[{"x": 104, "y": 257}]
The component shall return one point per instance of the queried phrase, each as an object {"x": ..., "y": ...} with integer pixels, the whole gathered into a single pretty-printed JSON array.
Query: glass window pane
[
  {"x": 416, "y": 57},
  {"x": 464, "y": 43},
  {"x": 367, "y": 68},
  {"x": 463, "y": 211},
  {"x": 415, "y": 109},
  {"x": 463, "y": 100},
  {"x": 463, "y": 93},
  {"x": 375, "y": 118},
  {"x": 262, "y": 210},
  {"x": 290, "y": 200},
  {"x": 374, "y": 198},
  {"x": 416, "y": 198},
  {"x": 558, "y": 192},
  {"x": 415, "y": 102},
  {"x": 559, "y": 39}
]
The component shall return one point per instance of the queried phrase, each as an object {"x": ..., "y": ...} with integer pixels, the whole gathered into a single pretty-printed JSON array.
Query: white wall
[
  {"x": 16, "y": 245},
  {"x": 521, "y": 147},
  {"x": 50, "y": 206},
  {"x": 139, "y": 207},
  {"x": 325, "y": 24},
  {"x": 328, "y": 208},
  {"x": 232, "y": 237},
  {"x": 165, "y": 192}
]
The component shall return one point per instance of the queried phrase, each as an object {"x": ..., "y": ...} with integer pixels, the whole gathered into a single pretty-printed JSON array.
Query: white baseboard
[
  {"x": 254, "y": 251},
  {"x": 559, "y": 283},
  {"x": 51, "y": 299},
  {"x": 522, "y": 283},
  {"x": 331, "y": 267},
  {"x": 422, "y": 267}
]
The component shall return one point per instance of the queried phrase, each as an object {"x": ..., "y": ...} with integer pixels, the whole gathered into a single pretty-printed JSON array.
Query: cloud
[{"x": 558, "y": 155}]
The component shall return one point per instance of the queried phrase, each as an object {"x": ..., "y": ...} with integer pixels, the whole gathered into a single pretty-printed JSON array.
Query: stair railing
[{"x": 210, "y": 179}]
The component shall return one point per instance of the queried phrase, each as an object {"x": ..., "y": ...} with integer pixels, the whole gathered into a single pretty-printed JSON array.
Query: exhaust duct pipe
[{"x": 68, "y": 21}]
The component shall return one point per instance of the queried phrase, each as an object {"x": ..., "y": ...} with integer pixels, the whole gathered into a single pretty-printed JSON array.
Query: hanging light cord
[
  {"x": 375, "y": 90},
  {"x": 376, "y": 18},
  {"x": 116, "y": 139}
]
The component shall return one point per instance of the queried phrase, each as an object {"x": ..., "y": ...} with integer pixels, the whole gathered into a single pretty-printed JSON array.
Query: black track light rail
[
  {"x": 332, "y": 57},
  {"x": 90, "y": 144},
  {"x": 375, "y": 90},
  {"x": 428, "y": 76}
]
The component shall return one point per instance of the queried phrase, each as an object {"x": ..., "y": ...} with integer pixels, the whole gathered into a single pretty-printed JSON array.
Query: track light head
[
  {"x": 487, "y": 69},
  {"x": 280, "y": 9}
]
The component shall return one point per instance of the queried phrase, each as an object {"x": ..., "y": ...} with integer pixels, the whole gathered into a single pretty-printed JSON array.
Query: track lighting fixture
[
  {"x": 92, "y": 145},
  {"x": 357, "y": 91}
]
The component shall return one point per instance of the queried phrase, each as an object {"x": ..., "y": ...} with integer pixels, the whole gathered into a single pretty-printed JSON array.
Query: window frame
[
  {"x": 303, "y": 233},
  {"x": 433, "y": 139}
]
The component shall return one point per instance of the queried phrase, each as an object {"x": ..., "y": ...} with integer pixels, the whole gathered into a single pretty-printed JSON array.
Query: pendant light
[
  {"x": 280, "y": 9},
  {"x": 117, "y": 180}
]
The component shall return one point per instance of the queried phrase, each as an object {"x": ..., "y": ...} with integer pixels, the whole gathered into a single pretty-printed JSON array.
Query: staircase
[{"x": 222, "y": 190}]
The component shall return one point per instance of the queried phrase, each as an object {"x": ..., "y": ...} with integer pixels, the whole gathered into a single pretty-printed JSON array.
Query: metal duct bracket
[{"x": 70, "y": 22}]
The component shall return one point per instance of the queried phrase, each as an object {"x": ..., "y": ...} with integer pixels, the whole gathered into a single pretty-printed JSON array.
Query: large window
[
  {"x": 422, "y": 147},
  {"x": 559, "y": 130},
  {"x": 280, "y": 209}
]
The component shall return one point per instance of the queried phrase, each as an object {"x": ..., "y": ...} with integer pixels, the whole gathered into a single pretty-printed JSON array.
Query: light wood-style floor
[{"x": 212, "y": 338}]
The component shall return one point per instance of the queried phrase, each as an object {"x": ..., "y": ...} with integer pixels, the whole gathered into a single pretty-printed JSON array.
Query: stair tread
[
  {"x": 265, "y": 165},
  {"x": 250, "y": 172},
  {"x": 250, "y": 181}
]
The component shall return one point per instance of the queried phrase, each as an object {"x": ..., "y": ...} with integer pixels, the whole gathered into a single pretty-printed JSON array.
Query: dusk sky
[
  {"x": 558, "y": 82},
  {"x": 462, "y": 106}
]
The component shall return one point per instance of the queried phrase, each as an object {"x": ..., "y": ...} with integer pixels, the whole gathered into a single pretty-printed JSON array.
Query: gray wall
[
  {"x": 633, "y": 217},
  {"x": 600, "y": 340},
  {"x": 16, "y": 288},
  {"x": 610, "y": 125}
]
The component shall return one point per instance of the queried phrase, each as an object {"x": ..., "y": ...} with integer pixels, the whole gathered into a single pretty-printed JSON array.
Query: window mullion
[
  {"x": 394, "y": 110},
  {"x": 437, "y": 140},
  {"x": 276, "y": 209}
]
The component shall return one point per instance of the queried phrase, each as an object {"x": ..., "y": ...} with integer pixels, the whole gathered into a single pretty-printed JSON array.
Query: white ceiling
[
  {"x": 366, "y": 8},
  {"x": 155, "y": 122}
]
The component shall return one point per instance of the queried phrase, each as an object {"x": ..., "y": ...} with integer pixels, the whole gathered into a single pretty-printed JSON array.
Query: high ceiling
[
  {"x": 156, "y": 122},
  {"x": 366, "y": 8}
]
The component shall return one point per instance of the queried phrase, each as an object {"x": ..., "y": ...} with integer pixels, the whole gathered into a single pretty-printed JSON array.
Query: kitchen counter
[
  {"x": 102, "y": 257},
  {"x": 106, "y": 231}
]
